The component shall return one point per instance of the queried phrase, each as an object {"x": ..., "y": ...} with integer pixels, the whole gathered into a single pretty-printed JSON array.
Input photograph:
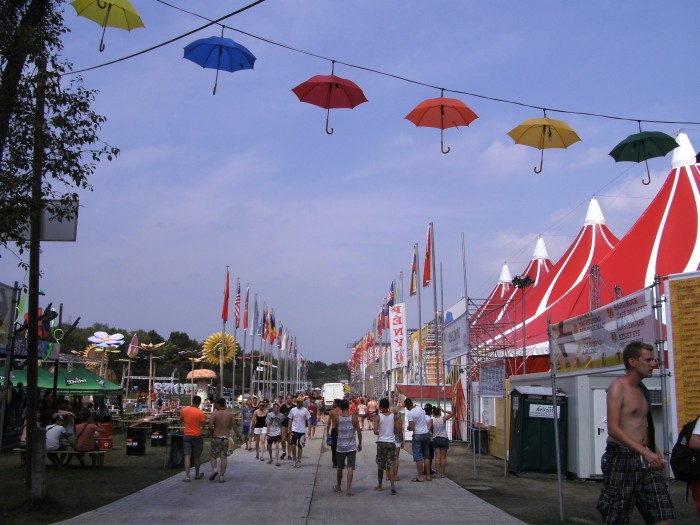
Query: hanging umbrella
[
  {"x": 543, "y": 133},
  {"x": 109, "y": 13},
  {"x": 219, "y": 53},
  {"x": 643, "y": 146},
  {"x": 442, "y": 113},
  {"x": 330, "y": 92}
]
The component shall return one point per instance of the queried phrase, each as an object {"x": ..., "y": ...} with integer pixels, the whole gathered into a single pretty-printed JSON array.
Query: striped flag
[
  {"x": 413, "y": 288},
  {"x": 224, "y": 310},
  {"x": 245, "y": 308},
  {"x": 427, "y": 268},
  {"x": 390, "y": 297},
  {"x": 237, "y": 304}
]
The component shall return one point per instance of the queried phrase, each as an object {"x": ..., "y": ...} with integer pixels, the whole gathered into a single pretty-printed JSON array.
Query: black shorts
[
  {"x": 274, "y": 439},
  {"x": 297, "y": 439}
]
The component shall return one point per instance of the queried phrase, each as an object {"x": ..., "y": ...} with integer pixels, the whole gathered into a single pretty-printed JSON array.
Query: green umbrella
[{"x": 643, "y": 146}]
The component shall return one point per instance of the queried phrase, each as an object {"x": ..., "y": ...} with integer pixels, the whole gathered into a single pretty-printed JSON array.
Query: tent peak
[
  {"x": 684, "y": 154},
  {"x": 540, "y": 250},
  {"x": 594, "y": 215},
  {"x": 505, "y": 277}
]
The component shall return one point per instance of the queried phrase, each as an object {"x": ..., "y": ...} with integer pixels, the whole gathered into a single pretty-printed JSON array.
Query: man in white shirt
[
  {"x": 420, "y": 445},
  {"x": 298, "y": 421}
]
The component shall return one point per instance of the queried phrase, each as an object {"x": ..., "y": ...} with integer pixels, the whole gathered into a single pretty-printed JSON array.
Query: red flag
[
  {"x": 237, "y": 305},
  {"x": 224, "y": 310},
  {"x": 427, "y": 268},
  {"x": 245, "y": 309},
  {"x": 413, "y": 289}
]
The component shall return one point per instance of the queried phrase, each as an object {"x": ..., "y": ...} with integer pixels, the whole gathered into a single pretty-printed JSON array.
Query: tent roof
[{"x": 78, "y": 381}]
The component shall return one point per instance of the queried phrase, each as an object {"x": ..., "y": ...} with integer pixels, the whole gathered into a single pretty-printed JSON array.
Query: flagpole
[
  {"x": 245, "y": 339},
  {"x": 468, "y": 397},
  {"x": 435, "y": 303},
  {"x": 420, "y": 324},
  {"x": 237, "y": 317}
]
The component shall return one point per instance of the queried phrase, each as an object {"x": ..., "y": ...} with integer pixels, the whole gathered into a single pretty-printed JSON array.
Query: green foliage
[
  {"x": 319, "y": 372},
  {"x": 58, "y": 136}
]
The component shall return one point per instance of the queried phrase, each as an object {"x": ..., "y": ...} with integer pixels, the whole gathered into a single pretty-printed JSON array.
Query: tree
[{"x": 69, "y": 146}]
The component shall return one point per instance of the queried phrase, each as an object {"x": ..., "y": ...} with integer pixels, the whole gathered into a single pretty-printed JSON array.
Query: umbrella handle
[
  {"x": 535, "y": 169},
  {"x": 328, "y": 114},
  {"x": 104, "y": 26},
  {"x": 647, "y": 181},
  {"x": 442, "y": 147}
]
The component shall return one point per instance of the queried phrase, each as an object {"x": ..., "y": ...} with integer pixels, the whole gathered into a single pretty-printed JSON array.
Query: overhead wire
[{"x": 219, "y": 21}]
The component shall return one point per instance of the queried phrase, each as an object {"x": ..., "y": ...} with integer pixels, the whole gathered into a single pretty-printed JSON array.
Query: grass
[{"x": 77, "y": 490}]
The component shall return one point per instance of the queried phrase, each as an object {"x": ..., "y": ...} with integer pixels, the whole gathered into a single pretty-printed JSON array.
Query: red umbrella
[
  {"x": 442, "y": 113},
  {"x": 330, "y": 92}
]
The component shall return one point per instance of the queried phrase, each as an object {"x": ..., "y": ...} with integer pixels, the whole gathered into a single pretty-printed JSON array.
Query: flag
[
  {"x": 133, "y": 349},
  {"x": 413, "y": 288},
  {"x": 390, "y": 297},
  {"x": 380, "y": 322},
  {"x": 245, "y": 309},
  {"x": 427, "y": 272},
  {"x": 272, "y": 332},
  {"x": 256, "y": 318},
  {"x": 237, "y": 304},
  {"x": 224, "y": 310}
]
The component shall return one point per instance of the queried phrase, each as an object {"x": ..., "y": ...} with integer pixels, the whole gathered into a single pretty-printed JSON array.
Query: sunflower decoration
[
  {"x": 91, "y": 353},
  {"x": 212, "y": 347}
]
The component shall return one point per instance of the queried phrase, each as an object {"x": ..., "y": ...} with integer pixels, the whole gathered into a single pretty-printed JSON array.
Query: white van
[{"x": 331, "y": 391}]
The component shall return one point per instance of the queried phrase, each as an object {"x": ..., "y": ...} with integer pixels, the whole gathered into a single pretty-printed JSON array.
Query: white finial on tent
[
  {"x": 594, "y": 215},
  {"x": 505, "y": 275},
  {"x": 684, "y": 154},
  {"x": 540, "y": 250}
]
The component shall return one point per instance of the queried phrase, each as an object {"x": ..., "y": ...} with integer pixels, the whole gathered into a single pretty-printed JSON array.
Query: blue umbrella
[{"x": 219, "y": 53}]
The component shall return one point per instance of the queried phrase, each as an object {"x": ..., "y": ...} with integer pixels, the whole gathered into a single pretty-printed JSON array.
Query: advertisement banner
[
  {"x": 684, "y": 336},
  {"x": 596, "y": 339},
  {"x": 6, "y": 315},
  {"x": 492, "y": 379},
  {"x": 398, "y": 335},
  {"x": 455, "y": 339}
]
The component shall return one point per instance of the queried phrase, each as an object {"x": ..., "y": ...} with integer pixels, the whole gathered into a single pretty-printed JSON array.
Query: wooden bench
[{"x": 97, "y": 457}]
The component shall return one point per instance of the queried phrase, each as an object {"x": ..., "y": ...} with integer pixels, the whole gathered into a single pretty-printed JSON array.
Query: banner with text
[
  {"x": 455, "y": 339},
  {"x": 596, "y": 339},
  {"x": 398, "y": 335}
]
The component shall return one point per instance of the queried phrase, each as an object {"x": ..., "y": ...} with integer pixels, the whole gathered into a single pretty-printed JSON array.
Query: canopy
[{"x": 79, "y": 381}]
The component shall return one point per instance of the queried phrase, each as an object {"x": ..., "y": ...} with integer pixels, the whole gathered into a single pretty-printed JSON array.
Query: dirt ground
[{"x": 534, "y": 498}]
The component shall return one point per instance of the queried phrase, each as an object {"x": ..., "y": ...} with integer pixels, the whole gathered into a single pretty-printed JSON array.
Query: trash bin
[
  {"x": 136, "y": 441},
  {"x": 159, "y": 434},
  {"x": 480, "y": 440},
  {"x": 177, "y": 451}
]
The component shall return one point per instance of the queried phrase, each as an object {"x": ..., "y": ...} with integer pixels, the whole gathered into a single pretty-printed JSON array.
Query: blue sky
[{"x": 319, "y": 225}]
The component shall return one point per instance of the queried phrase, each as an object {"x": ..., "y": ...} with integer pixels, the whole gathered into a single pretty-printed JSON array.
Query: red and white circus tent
[{"x": 664, "y": 240}]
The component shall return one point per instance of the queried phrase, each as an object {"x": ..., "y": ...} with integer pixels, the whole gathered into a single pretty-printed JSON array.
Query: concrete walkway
[{"x": 260, "y": 494}]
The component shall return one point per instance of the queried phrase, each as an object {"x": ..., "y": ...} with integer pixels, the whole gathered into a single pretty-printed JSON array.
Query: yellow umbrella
[
  {"x": 109, "y": 13},
  {"x": 544, "y": 133}
]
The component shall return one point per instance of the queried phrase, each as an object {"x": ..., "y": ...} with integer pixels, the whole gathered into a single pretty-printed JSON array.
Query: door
[{"x": 600, "y": 428}]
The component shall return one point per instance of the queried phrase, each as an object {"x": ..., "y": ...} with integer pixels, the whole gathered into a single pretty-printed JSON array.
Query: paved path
[{"x": 260, "y": 494}]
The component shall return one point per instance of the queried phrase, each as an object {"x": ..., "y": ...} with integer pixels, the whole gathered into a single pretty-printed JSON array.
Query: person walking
[
  {"x": 284, "y": 410},
  {"x": 332, "y": 431},
  {"x": 220, "y": 426},
  {"x": 420, "y": 445},
  {"x": 348, "y": 444},
  {"x": 260, "y": 429},
  {"x": 398, "y": 441},
  {"x": 246, "y": 419},
  {"x": 298, "y": 420},
  {"x": 192, "y": 441},
  {"x": 362, "y": 412},
  {"x": 632, "y": 466},
  {"x": 386, "y": 426},
  {"x": 275, "y": 422},
  {"x": 438, "y": 429}
]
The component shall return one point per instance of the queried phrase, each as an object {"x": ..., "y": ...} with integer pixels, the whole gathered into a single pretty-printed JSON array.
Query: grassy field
[{"x": 76, "y": 490}]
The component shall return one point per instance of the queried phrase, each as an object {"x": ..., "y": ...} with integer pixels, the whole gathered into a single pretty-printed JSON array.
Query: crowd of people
[{"x": 278, "y": 429}]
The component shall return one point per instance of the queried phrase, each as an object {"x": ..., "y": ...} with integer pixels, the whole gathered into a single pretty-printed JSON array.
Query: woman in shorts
[
  {"x": 260, "y": 429},
  {"x": 438, "y": 430},
  {"x": 362, "y": 412}
]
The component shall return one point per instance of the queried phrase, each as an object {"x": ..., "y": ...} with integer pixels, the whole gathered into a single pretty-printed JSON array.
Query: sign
[
  {"x": 455, "y": 338},
  {"x": 398, "y": 335},
  {"x": 492, "y": 379},
  {"x": 596, "y": 339},
  {"x": 6, "y": 317},
  {"x": 684, "y": 335},
  {"x": 544, "y": 411}
]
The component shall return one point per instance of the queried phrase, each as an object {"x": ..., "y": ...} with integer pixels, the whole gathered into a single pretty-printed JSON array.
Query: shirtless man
[
  {"x": 221, "y": 422},
  {"x": 632, "y": 472}
]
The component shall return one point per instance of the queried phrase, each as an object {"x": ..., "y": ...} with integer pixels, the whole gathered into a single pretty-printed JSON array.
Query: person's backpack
[{"x": 685, "y": 462}]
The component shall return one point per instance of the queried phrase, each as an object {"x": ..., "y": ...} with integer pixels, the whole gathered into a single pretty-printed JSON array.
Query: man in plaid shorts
[
  {"x": 632, "y": 467},
  {"x": 386, "y": 425}
]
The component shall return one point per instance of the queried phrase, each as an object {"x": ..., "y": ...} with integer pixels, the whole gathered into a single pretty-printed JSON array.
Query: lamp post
[{"x": 522, "y": 283}]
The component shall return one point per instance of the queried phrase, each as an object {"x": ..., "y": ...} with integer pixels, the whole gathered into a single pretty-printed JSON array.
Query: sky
[{"x": 319, "y": 225}]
